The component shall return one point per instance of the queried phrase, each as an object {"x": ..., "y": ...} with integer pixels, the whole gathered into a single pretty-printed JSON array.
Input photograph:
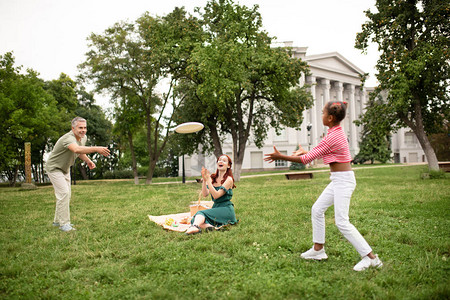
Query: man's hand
[
  {"x": 91, "y": 164},
  {"x": 103, "y": 151}
]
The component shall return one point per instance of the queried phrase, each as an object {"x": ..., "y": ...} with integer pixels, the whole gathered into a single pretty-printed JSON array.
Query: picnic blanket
[{"x": 173, "y": 222}]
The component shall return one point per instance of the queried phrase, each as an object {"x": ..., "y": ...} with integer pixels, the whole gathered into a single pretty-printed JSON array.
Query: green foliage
[
  {"x": 129, "y": 61},
  {"x": 375, "y": 135},
  {"x": 99, "y": 133},
  {"x": 117, "y": 253},
  {"x": 413, "y": 38},
  {"x": 296, "y": 165},
  {"x": 28, "y": 114},
  {"x": 40, "y": 112},
  {"x": 437, "y": 174},
  {"x": 238, "y": 84}
]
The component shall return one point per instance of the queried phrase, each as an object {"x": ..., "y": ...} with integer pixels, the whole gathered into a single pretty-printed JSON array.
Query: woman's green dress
[{"x": 222, "y": 212}]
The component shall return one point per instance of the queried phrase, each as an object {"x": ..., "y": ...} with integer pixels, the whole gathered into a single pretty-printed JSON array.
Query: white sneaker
[
  {"x": 67, "y": 227},
  {"x": 367, "y": 262},
  {"x": 313, "y": 254},
  {"x": 57, "y": 224}
]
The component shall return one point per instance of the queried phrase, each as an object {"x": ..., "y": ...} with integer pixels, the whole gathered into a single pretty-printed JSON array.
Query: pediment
[{"x": 333, "y": 62}]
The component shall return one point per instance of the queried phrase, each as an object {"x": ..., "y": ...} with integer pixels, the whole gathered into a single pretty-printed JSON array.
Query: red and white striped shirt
[{"x": 332, "y": 148}]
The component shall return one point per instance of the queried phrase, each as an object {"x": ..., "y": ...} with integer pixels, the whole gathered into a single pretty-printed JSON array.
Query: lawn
[{"x": 117, "y": 253}]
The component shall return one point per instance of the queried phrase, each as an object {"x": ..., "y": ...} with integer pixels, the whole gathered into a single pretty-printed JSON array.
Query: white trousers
[
  {"x": 338, "y": 192},
  {"x": 61, "y": 184}
]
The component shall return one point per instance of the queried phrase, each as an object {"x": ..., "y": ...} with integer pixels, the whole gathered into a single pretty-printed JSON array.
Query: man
[{"x": 67, "y": 149}]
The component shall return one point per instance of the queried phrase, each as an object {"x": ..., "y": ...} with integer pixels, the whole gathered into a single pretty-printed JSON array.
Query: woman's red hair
[{"x": 227, "y": 173}]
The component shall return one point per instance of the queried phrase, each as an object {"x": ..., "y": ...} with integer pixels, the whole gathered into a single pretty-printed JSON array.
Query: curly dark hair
[{"x": 337, "y": 109}]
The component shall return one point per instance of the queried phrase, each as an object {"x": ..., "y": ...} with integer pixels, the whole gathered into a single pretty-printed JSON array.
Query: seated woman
[{"x": 220, "y": 185}]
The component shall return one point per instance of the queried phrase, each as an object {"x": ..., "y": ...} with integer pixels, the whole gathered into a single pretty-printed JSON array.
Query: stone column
[
  {"x": 339, "y": 87},
  {"x": 362, "y": 91},
  {"x": 352, "y": 115},
  {"x": 326, "y": 97},
  {"x": 312, "y": 81},
  {"x": 28, "y": 184}
]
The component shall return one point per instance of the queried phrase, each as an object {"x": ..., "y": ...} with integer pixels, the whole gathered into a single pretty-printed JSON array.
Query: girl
[
  {"x": 335, "y": 151},
  {"x": 220, "y": 185}
]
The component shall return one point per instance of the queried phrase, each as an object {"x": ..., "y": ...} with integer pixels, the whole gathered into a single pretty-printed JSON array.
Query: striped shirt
[{"x": 332, "y": 148}]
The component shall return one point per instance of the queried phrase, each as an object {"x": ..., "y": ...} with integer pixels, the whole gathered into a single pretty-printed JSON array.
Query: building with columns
[{"x": 333, "y": 77}]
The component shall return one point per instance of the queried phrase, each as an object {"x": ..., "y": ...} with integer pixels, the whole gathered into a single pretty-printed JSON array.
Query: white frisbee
[{"x": 189, "y": 127}]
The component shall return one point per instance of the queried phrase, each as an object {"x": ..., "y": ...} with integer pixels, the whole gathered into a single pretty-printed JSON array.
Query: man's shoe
[
  {"x": 67, "y": 227},
  {"x": 367, "y": 262},
  {"x": 313, "y": 254}
]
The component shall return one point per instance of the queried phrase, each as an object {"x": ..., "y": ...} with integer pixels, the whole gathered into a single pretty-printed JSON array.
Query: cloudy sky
[{"x": 49, "y": 36}]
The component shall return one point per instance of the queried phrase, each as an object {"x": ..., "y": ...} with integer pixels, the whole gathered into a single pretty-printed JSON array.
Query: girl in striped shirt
[{"x": 335, "y": 151}]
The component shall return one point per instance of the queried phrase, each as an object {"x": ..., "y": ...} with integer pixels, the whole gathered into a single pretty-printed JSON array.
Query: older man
[{"x": 67, "y": 149}]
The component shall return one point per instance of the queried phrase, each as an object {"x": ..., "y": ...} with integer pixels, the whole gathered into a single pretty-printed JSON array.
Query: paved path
[{"x": 306, "y": 171}]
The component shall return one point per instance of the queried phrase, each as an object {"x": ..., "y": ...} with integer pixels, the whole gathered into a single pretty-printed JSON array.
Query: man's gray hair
[{"x": 76, "y": 120}]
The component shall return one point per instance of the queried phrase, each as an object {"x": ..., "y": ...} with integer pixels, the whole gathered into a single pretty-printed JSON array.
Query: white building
[{"x": 333, "y": 77}]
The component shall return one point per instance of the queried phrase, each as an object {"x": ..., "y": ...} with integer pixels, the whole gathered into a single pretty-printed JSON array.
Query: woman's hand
[
  {"x": 205, "y": 174},
  {"x": 276, "y": 155},
  {"x": 300, "y": 151}
]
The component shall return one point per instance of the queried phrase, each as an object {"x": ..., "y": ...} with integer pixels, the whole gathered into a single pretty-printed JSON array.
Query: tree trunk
[
  {"x": 416, "y": 124},
  {"x": 216, "y": 142},
  {"x": 151, "y": 170},
  {"x": 133, "y": 158},
  {"x": 14, "y": 177},
  {"x": 238, "y": 167},
  {"x": 427, "y": 149}
]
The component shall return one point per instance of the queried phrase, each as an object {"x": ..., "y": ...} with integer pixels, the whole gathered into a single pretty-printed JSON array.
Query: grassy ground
[{"x": 117, "y": 253}]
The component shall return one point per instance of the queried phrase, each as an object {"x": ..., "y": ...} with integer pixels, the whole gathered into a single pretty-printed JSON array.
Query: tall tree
[
  {"x": 134, "y": 61},
  {"x": 413, "y": 38},
  {"x": 99, "y": 133},
  {"x": 28, "y": 114},
  {"x": 375, "y": 136},
  {"x": 241, "y": 84}
]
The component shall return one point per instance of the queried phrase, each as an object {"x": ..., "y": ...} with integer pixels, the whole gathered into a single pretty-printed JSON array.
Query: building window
[
  {"x": 281, "y": 163},
  {"x": 410, "y": 138},
  {"x": 256, "y": 160}
]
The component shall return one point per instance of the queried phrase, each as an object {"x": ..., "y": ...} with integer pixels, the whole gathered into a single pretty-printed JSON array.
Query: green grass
[{"x": 117, "y": 253}]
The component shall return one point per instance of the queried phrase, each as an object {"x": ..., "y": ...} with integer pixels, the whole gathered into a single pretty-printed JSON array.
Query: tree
[
  {"x": 99, "y": 133},
  {"x": 28, "y": 114},
  {"x": 238, "y": 84},
  {"x": 127, "y": 124},
  {"x": 131, "y": 61},
  {"x": 375, "y": 135},
  {"x": 413, "y": 38}
]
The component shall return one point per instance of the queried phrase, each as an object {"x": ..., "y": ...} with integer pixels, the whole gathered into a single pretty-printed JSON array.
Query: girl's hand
[
  {"x": 300, "y": 151},
  {"x": 276, "y": 155}
]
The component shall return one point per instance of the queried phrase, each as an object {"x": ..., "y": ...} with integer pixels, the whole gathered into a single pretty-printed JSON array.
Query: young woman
[
  {"x": 220, "y": 186},
  {"x": 335, "y": 151}
]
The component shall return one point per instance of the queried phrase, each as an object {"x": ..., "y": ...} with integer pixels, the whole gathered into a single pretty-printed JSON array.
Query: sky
[{"x": 50, "y": 36}]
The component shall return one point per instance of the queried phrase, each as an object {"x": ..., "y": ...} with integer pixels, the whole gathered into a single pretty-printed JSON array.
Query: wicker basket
[
  {"x": 194, "y": 208},
  {"x": 197, "y": 207}
]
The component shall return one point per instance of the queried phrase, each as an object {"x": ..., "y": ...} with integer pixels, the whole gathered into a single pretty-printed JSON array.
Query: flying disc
[{"x": 189, "y": 127}]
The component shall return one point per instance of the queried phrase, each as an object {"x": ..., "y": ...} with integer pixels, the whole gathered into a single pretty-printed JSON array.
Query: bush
[
  {"x": 297, "y": 166},
  {"x": 433, "y": 175},
  {"x": 437, "y": 174}
]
